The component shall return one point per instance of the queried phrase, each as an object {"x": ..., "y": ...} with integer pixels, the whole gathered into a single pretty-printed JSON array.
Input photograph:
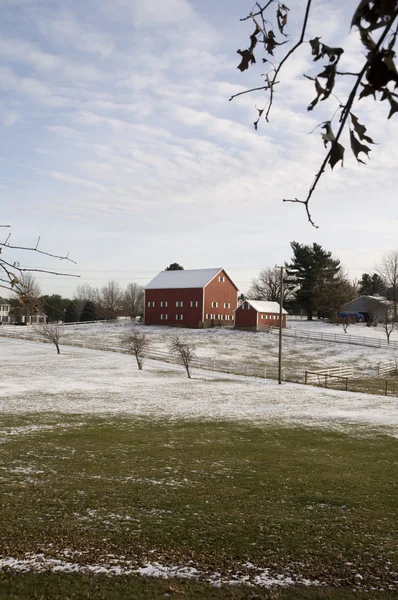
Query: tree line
[
  {"x": 88, "y": 303},
  {"x": 315, "y": 282}
]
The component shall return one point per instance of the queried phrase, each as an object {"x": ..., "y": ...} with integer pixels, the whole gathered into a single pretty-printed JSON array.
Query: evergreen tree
[
  {"x": 54, "y": 306},
  {"x": 370, "y": 285},
  {"x": 313, "y": 272},
  {"x": 88, "y": 312},
  {"x": 174, "y": 267},
  {"x": 71, "y": 314}
]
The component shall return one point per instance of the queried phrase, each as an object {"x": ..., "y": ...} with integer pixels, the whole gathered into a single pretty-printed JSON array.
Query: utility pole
[{"x": 280, "y": 326}]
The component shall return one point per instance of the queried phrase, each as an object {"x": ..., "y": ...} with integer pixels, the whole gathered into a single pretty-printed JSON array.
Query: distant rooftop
[{"x": 189, "y": 278}]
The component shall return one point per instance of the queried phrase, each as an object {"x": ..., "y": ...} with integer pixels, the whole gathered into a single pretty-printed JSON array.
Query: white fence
[
  {"x": 340, "y": 338},
  {"x": 318, "y": 377},
  {"x": 389, "y": 367}
]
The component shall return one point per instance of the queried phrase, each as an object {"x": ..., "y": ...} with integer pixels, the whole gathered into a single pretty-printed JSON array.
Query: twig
[
  {"x": 303, "y": 30},
  {"x": 66, "y": 257},
  {"x": 45, "y": 271},
  {"x": 260, "y": 12},
  {"x": 343, "y": 120}
]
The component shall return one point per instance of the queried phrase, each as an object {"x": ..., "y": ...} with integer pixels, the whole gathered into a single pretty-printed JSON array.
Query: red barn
[
  {"x": 190, "y": 298},
  {"x": 252, "y": 315}
]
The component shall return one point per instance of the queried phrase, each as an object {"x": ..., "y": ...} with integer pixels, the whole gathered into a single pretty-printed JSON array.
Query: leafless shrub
[
  {"x": 185, "y": 351},
  {"x": 51, "y": 332},
  {"x": 387, "y": 326},
  {"x": 136, "y": 344}
]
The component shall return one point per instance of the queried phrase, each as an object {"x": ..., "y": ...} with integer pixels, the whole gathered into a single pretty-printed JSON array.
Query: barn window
[
  {"x": 208, "y": 316},
  {"x": 163, "y": 317},
  {"x": 224, "y": 318},
  {"x": 163, "y": 304},
  {"x": 151, "y": 304},
  {"x": 179, "y": 303},
  {"x": 221, "y": 278},
  {"x": 227, "y": 305},
  {"x": 214, "y": 304},
  {"x": 231, "y": 317},
  {"x": 179, "y": 317},
  {"x": 194, "y": 303}
]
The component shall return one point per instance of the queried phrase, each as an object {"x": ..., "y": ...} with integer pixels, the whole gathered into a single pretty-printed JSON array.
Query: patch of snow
[
  {"x": 37, "y": 380},
  {"x": 39, "y": 563}
]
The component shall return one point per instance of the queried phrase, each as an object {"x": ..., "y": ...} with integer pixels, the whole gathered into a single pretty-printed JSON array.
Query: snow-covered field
[
  {"x": 80, "y": 381},
  {"x": 257, "y": 349}
]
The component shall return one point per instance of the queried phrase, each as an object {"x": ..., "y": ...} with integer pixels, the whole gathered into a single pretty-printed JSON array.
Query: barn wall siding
[
  {"x": 222, "y": 292},
  {"x": 192, "y": 316}
]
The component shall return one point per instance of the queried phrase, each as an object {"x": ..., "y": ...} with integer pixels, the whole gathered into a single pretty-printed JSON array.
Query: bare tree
[
  {"x": 387, "y": 325},
  {"x": 185, "y": 351},
  {"x": 267, "y": 287},
  {"x": 388, "y": 271},
  {"x": 346, "y": 321},
  {"x": 376, "y": 76},
  {"x": 14, "y": 277},
  {"x": 111, "y": 298},
  {"x": 51, "y": 332},
  {"x": 84, "y": 293},
  {"x": 136, "y": 344},
  {"x": 133, "y": 300}
]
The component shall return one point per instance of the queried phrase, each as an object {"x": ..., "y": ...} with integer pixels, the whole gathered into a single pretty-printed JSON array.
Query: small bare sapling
[
  {"x": 136, "y": 343},
  {"x": 185, "y": 351}
]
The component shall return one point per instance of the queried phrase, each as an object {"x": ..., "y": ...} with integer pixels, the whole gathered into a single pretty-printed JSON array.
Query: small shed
[
  {"x": 253, "y": 315},
  {"x": 373, "y": 308}
]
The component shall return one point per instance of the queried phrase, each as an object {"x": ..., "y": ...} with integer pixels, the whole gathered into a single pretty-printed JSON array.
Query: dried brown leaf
[
  {"x": 357, "y": 147},
  {"x": 316, "y": 47},
  {"x": 328, "y": 136},
  {"x": 320, "y": 91},
  {"x": 360, "y": 129},
  {"x": 247, "y": 59},
  {"x": 368, "y": 90},
  {"x": 337, "y": 154},
  {"x": 281, "y": 16}
]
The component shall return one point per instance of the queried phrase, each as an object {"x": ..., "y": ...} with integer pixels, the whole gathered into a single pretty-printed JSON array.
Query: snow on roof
[
  {"x": 266, "y": 307},
  {"x": 380, "y": 299},
  {"x": 190, "y": 278}
]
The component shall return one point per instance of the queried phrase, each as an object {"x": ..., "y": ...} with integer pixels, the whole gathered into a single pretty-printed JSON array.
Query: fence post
[
  {"x": 386, "y": 388},
  {"x": 306, "y": 377},
  {"x": 346, "y": 384},
  {"x": 265, "y": 372},
  {"x": 326, "y": 381}
]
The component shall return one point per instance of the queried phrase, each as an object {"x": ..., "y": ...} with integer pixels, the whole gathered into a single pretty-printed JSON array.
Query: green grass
[
  {"x": 302, "y": 502},
  {"x": 47, "y": 586}
]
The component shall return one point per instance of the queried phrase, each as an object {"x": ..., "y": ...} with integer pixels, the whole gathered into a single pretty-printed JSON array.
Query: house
[
  {"x": 252, "y": 315},
  {"x": 14, "y": 314},
  {"x": 191, "y": 298},
  {"x": 373, "y": 308},
  {"x": 5, "y": 308}
]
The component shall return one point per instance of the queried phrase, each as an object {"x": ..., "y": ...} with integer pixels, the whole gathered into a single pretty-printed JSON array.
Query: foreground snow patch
[{"x": 38, "y": 563}]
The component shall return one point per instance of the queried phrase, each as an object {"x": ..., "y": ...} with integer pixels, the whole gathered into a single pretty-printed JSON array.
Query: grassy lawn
[{"x": 228, "y": 499}]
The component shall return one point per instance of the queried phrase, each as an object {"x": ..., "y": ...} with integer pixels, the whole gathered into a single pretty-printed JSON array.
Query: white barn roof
[
  {"x": 190, "y": 278},
  {"x": 265, "y": 307}
]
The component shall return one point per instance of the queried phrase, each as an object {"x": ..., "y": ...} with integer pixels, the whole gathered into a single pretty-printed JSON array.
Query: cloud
[
  {"x": 66, "y": 31},
  {"x": 68, "y": 178},
  {"x": 28, "y": 86},
  {"x": 9, "y": 118}
]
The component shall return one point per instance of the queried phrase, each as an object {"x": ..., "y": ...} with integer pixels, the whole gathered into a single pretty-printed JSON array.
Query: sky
[{"x": 120, "y": 147}]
